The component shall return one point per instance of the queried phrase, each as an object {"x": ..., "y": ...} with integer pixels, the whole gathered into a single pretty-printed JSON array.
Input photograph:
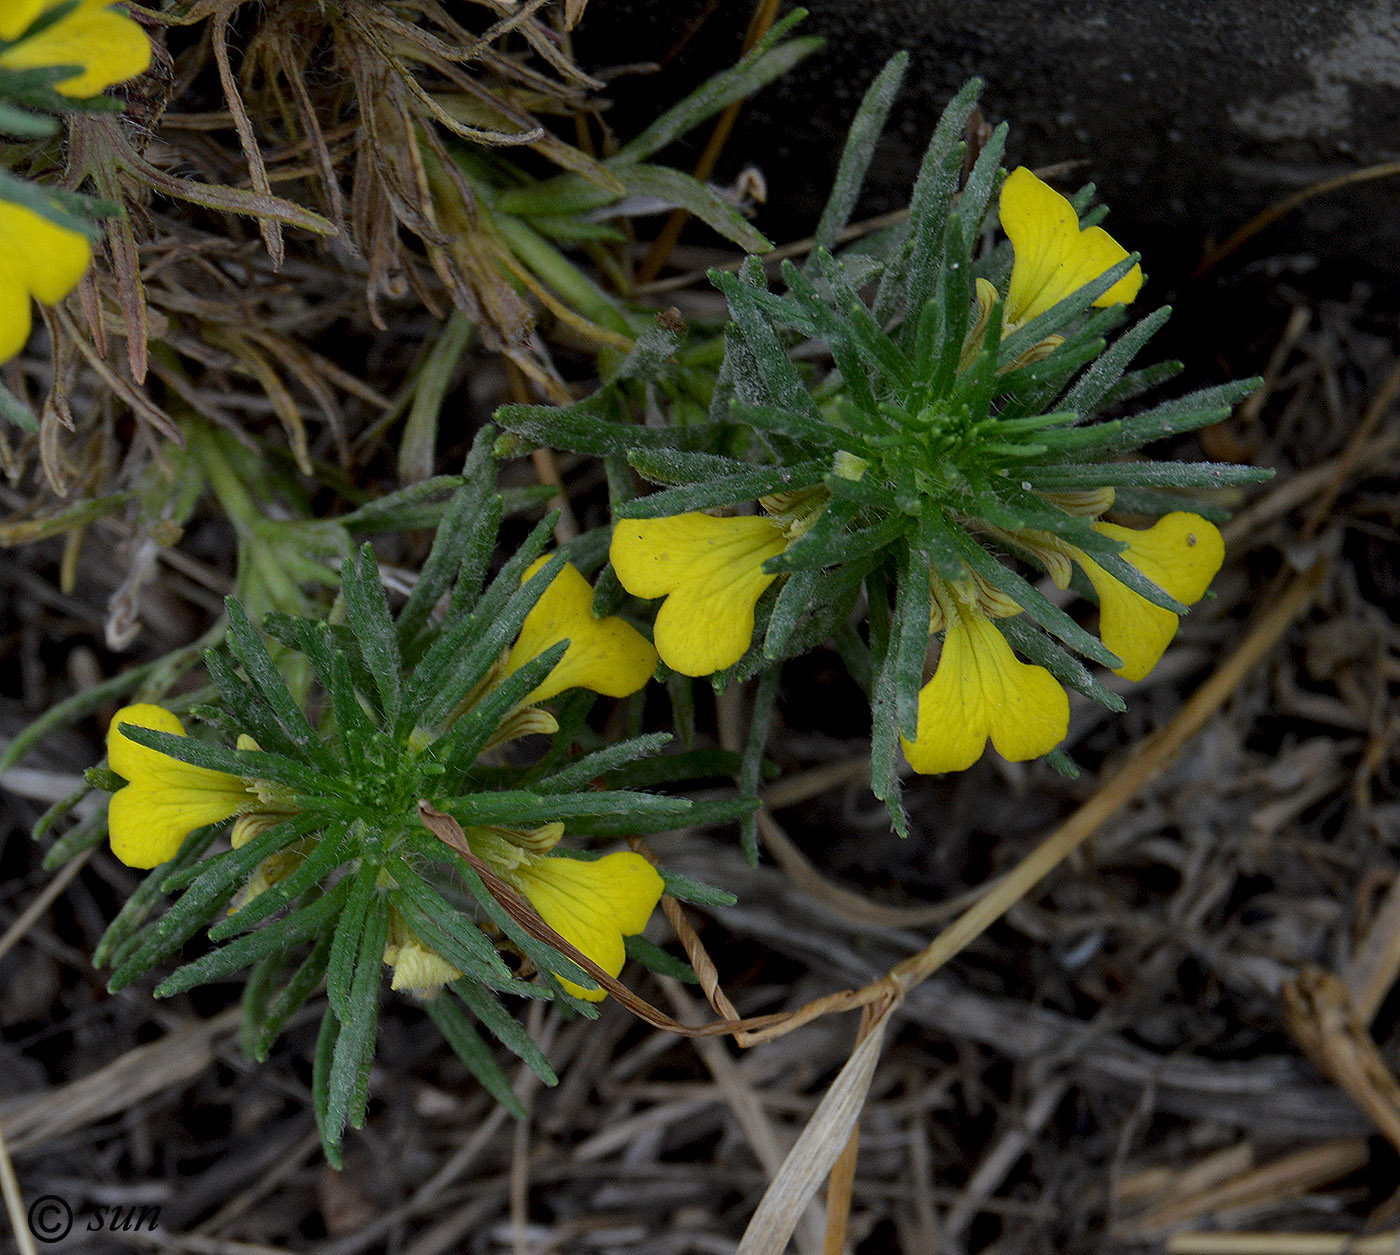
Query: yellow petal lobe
[
  {"x": 710, "y": 571},
  {"x": 106, "y": 44},
  {"x": 608, "y": 656},
  {"x": 40, "y": 259},
  {"x": 165, "y": 799},
  {"x": 1053, "y": 257},
  {"x": 593, "y": 905},
  {"x": 979, "y": 690},
  {"x": 1180, "y": 553},
  {"x": 417, "y": 969}
]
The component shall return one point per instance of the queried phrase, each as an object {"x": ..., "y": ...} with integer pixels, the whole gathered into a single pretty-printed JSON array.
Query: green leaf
[
  {"x": 760, "y": 721},
  {"x": 757, "y": 69},
  {"x": 262, "y": 672},
  {"x": 311, "y": 921},
  {"x": 1091, "y": 389},
  {"x": 582, "y": 771},
  {"x": 143, "y": 901},
  {"x": 696, "y": 892},
  {"x": 1145, "y": 474},
  {"x": 340, "y": 971},
  {"x": 444, "y": 928},
  {"x": 519, "y": 808},
  {"x": 910, "y": 634},
  {"x": 418, "y": 441},
  {"x": 929, "y": 204},
  {"x": 506, "y": 1030},
  {"x": 469, "y": 1047},
  {"x": 1064, "y": 311},
  {"x": 347, "y": 1091},
  {"x": 320, "y": 1088},
  {"x": 1031, "y": 600},
  {"x": 858, "y": 151},
  {"x": 657, "y": 960},
  {"x": 292, "y": 997},
  {"x": 1042, "y": 651},
  {"x": 367, "y": 609},
  {"x": 884, "y": 717},
  {"x": 723, "y": 490},
  {"x": 203, "y": 899},
  {"x": 463, "y": 654},
  {"x": 332, "y": 849},
  {"x": 246, "y": 764},
  {"x": 683, "y": 192}
]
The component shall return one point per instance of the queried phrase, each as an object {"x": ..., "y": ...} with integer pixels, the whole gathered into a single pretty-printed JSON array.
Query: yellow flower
[
  {"x": 164, "y": 800},
  {"x": 103, "y": 43},
  {"x": 592, "y": 905},
  {"x": 38, "y": 258},
  {"x": 1053, "y": 257},
  {"x": 711, "y": 573},
  {"x": 1181, "y": 554},
  {"x": 608, "y": 655},
  {"x": 417, "y": 969},
  {"x": 979, "y": 690}
]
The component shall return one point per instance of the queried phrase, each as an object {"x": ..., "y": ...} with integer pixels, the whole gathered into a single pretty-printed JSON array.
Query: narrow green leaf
[
  {"x": 262, "y": 672},
  {"x": 367, "y": 609},
  {"x": 347, "y": 1092},
  {"x": 657, "y": 960},
  {"x": 506, "y": 1030},
  {"x": 277, "y": 938},
  {"x": 581, "y": 771},
  {"x": 292, "y": 997},
  {"x": 142, "y": 902},
  {"x": 756, "y": 70},
  {"x": 340, "y": 971},
  {"x": 203, "y": 899},
  {"x": 683, "y": 192},
  {"x": 332, "y": 849},
  {"x": 696, "y": 892},
  {"x": 320, "y": 1088},
  {"x": 469, "y": 1047},
  {"x": 760, "y": 721},
  {"x": 859, "y": 149},
  {"x": 1042, "y": 651}
]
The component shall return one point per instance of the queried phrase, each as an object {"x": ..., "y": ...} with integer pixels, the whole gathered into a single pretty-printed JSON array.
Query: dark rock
[{"x": 1190, "y": 115}]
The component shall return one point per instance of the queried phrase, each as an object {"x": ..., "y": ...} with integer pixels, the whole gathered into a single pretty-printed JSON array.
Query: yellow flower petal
[
  {"x": 608, "y": 655},
  {"x": 1053, "y": 257},
  {"x": 980, "y": 690},
  {"x": 711, "y": 573},
  {"x": 593, "y": 905},
  {"x": 38, "y": 258},
  {"x": 165, "y": 799},
  {"x": 417, "y": 968},
  {"x": 108, "y": 45},
  {"x": 1180, "y": 553}
]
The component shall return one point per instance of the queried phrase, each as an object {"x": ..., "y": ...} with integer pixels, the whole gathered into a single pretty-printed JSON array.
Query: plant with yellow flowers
[
  {"x": 56, "y": 57},
  {"x": 957, "y": 448},
  {"x": 331, "y": 871}
]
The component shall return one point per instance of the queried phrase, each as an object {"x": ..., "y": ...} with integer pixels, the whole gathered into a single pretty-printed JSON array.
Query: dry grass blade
[
  {"x": 817, "y": 1150},
  {"x": 119, "y": 1086},
  {"x": 1287, "y": 205},
  {"x": 1282, "y": 1244},
  {"x": 1320, "y": 1015},
  {"x": 14, "y": 1202}
]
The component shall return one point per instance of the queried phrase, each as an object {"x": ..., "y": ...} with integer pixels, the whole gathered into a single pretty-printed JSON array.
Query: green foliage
[
  {"x": 929, "y": 450},
  {"x": 408, "y": 708}
]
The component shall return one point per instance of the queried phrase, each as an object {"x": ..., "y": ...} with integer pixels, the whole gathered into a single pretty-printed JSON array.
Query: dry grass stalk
[
  {"x": 1319, "y": 1013},
  {"x": 1282, "y": 1244},
  {"x": 1265, "y": 1185}
]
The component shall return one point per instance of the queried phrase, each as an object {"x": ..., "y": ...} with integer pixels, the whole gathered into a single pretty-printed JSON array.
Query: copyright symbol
[{"x": 50, "y": 1218}]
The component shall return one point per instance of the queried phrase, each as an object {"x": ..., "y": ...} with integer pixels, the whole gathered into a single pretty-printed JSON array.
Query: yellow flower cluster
[
  {"x": 710, "y": 570},
  {"x": 40, "y": 259},
  {"x": 592, "y": 905}
]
